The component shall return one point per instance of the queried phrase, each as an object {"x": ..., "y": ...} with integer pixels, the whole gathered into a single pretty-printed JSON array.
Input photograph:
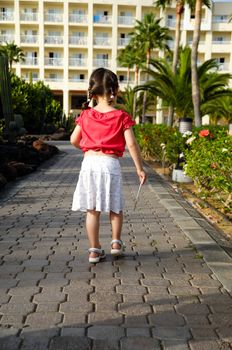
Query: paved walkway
[{"x": 161, "y": 295}]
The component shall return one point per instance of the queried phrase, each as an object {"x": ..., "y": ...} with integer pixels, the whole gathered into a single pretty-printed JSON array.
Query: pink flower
[{"x": 204, "y": 133}]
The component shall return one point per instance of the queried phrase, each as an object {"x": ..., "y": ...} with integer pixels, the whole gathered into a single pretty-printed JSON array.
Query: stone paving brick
[
  {"x": 68, "y": 306},
  {"x": 74, "y": 319},
  {"x": 49, "y": 294},
  {"x": 16, "y": 308},
  {"x": 10, "y": 343},
  {"x": 169, "y": 319},
  {"x": 105, "y": 332},
  {"x": 105, "y": 317},
  {"x": 175, "y": 345},
  {"x": 70, "y": 342},
  {"x": 203, "y": 332},
  {"x": 171, "y": 333},
  {"x": 134, "y": 309},
  {"x": 207, "y": 345},
  {"x": 42, "y": 320},
  {"x": 124, "y": 289},
  {"x": 139, "y": 342}
]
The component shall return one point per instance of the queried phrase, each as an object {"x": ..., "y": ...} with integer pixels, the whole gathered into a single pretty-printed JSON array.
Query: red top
[{"x": 104, "y": 131}]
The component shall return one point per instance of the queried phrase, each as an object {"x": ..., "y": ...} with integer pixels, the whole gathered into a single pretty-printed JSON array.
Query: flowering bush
[
  {"x": 209, "y": 164},
  {"x": 152, "y": 139}
]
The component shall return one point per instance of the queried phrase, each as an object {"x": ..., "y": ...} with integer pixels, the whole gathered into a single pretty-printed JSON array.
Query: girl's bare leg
[
  {"x": 92, "y": 228},
  {"x": 116, "y": 221}
]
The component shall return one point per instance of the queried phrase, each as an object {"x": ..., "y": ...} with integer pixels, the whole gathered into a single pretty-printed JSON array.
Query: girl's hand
[{"x": 142, "y": 176}]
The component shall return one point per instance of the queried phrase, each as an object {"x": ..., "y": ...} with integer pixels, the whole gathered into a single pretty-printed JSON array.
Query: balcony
[
  {"x": 102, "y": 41},
  {"x": 77, "y": 80},
  {"x": 123, "y": 41},
  {"x": 53, "y": 17},
  {"x": 171, "y": 22},
  {"x": 31, "y": 61},
  {"x": 75, "y": 40},
  {"x": 221, "y": 42},
  {"x": 100, "y": 62},
  {"x": 77, "y": 18},
  {"x": 221, "y": 19},
  {"x": 77, "y": 62},
  {"x": 53, "y": 40},
  {"x": 102, "y": 19},
  {"x": 28, "y": 79},
  {"x": 57, "y": 78},
  {"x": 6, "y": 16},
  {"x": 57, "y": 61},
  {"x": 29, "y": 39},
  {"x": 126, "y": 20},
  {"x": 224, "y": 67},
  {"x": 6, "y": 38},
  {"x": 29, "y": 17}
]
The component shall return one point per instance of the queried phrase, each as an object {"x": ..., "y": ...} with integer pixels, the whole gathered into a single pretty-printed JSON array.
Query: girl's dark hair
[{"x": 102, "y": 82}]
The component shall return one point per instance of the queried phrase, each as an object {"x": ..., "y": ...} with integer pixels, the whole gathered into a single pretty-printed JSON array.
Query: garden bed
[
  {"x": 22, "y": 157},
  {"x": 211, "y": 209}
]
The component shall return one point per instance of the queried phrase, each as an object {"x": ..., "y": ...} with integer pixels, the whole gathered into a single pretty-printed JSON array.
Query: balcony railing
[
  {"x": 57, "y": 61},
  {"x": 77, "y": 18},
  {"x": 29, "y": 39},
  {"x": 102, "y": 41},
  {"x": 49, "y": 39},
  {"x": 123, "y": 41},
  {"x": 224, "y": 66},
  {"x": 100, "y": 62},
  {"x": 6, "y": 38},
  {"x": 32, "y": 61},
  {"x": 6, "y": 16},
  {"x": 27, "y": 78},
  {"x": 171, "y": 22},
  {"x": 75, "y": 40},
  {"x": 29, "y": 17},
  {"x": 127, "y": 20},
  {"x": 57, "y": 78},
  {"x": 170, "y": 43},
  {"x": 53, "y": 17},
  {"x": 102, "y": 19},
  {"x": 77, "y": 62},
  {"x": 222, "y": 19},
  {"x": 221, "y": 42},
  {"x": 77, "y": 80}
]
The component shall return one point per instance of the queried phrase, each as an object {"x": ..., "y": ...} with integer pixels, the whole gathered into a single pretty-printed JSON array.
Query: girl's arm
[
  {"x": 75, "y": 137},
  {"x": 134, "y": 150}
]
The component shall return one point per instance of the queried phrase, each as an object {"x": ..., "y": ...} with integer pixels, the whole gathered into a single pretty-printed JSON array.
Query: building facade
[{"x": 64, "y": 41}]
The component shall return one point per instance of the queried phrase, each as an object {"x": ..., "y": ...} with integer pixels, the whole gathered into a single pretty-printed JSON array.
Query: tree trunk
[
  {"x": 194, "y": 55},
  {"x": 179, "y": 11},
  {"x": 135, "y": 93},
  {"x": 128, "y": 76},
  {"x": 145, "y": 93}
]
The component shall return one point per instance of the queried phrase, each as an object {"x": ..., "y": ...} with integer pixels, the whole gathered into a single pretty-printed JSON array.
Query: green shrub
[
  {"x": 209, "y": 163},
  {"x": 153, "y": 139}
]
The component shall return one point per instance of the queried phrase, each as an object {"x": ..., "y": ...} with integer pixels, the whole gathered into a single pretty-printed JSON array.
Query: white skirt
[{"x": 99, "y": 186}]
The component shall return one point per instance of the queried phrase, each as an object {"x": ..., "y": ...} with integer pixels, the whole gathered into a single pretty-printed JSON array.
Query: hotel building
[{"x": 64, "y": 41}]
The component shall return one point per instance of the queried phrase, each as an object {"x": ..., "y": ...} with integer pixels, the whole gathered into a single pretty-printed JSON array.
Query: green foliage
[
  {"x": 13, "y": 52},
  {"x": 209, "y": 163},
  {"x": 67, "y": 123},
  {"x": 176, "y": 89},
  {"x": 35, "y": 103},
  {"x": 151, "y": 138}
]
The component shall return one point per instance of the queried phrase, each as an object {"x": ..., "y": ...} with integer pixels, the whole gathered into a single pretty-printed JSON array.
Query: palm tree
[
  {"x": 219, "y": 108},
  {"x": 13, "y": 52},
  {"x": 150, "y": 35},
  {"x": 195, "y": 79},
  {"x": 126, "y": 59},
  {"x": 176, "y": 89},
  {"x": 180, "y": 4}
]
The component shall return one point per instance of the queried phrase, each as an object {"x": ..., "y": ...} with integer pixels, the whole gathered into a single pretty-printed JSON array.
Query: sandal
[
  {"x": 117, "y": 252},
  {"x": 99, "y": 251}
]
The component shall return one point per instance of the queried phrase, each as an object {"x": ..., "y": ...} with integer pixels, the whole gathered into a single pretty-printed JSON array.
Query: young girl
[{"x": 101, "y": 133}]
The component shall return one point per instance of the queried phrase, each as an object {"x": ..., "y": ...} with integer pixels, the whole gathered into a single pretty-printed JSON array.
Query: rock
[
  {"x": 9, "y": 172},
  {"x": 21, "y": 168},
  {"x": 3, "y": 181},
  {"x": 60, "y": 136}
]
